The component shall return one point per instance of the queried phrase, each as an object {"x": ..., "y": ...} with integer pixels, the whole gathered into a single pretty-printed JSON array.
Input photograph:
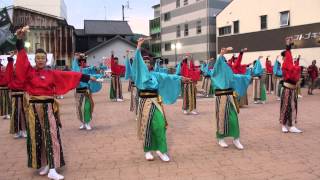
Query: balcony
[
  {"x": 155, "y": 30},
  {"x": 154, "y": 26}
]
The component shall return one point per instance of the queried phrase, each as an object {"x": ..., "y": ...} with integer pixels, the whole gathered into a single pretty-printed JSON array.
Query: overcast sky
[{"x": 78, "y": 10}]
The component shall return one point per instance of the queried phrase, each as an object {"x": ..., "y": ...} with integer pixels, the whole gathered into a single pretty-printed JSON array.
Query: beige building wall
[
  {"x": 53, "y": 7},
  {"x": 248, "y": 13},
  {"x": 181, "y": 20},
  {"x": 307, "y": 55}
]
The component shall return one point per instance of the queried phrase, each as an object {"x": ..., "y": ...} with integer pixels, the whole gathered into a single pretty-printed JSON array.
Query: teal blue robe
[
  {"x": 158, "y": 68},
  {"x": 205, "y": 69},
  {"x": 128, "y": 72},
  {"x": 257, "y": 69},
  {"x": 178, "y": 69},
  {"x": 277, "y": 71},
  {"x": 93, "y": 86},
  {"x": 167, "y": 85},
  {"x": 223, "y": 78}
]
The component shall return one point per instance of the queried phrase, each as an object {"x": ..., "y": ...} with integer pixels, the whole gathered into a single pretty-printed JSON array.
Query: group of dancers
[{"x": 35, "y": 110}]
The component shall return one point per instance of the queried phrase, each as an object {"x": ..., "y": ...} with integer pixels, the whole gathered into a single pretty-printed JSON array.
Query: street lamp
[
  {"x": 176, "y": 46},
  {"x": 27, "y": 45}
]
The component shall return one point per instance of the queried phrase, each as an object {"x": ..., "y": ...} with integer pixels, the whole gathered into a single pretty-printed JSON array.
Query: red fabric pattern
[
  {"x": 20, "y": 74},
  {"x": 5, "y": 76},
  {"x": 269, "y": 67},
  {"x": 43, "y": 82},
  {"x": 231, "y": 61},
  {"x": 193, "y": 72},
  {"x": 237, "y": 67},
  {"x": 117, "y": 69},
  {"x": 291, "y": 72}
]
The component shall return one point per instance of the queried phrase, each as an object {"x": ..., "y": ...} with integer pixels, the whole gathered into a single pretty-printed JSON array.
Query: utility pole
[
  {"x": 105, "y": 13},
  {"x": 127, "y": 6},
  {"x": 122, "y": 12}
]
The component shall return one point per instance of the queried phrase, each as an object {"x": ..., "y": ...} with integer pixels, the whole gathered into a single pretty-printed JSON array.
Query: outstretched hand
[
  {"x": 289, "y": 41},
  {"x": 21, "y": 32},
  {"x": 225, "y": 50},
  {"x": 229, "y": 49},
  {"x": 244, "y": 49},
  {"x": 140, "y": 42}
]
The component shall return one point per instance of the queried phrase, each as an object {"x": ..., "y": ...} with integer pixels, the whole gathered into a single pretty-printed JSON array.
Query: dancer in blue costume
[
  {"x": 158, "y": 67},
  {"x": 154, "y": 89},
  {"x": 227, "y": 87},
  {"x": 277, "y": 71},
  {"x": 207, "y": 85},
  {"x": 83, "y": 94},
  {"x": 259, "y": 89},
  {"x": 134, "y": 98}
]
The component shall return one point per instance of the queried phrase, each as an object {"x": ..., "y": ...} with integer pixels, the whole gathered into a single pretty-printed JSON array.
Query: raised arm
[
  {"x": 239, "y": 59},
  {"x": 222, "y": 75},
  {"x": 65, "y": 81},
  {"x": 291, "y": 71},
  {"x": 9, "y": 69},
  {"x": 23, "y": 66},
  {"x": 288, "y": 61},
  {"x": 157, "y": 66},
  {"x": 128, "y": 73},
  {"x": 75, "y": 65},
  {"x": 140, "y": 72}
]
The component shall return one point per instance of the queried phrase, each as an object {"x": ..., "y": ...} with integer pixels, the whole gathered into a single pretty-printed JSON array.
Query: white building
[
  {"x": 263, "y": 25},
  {"x": 54, "y": 7},
  {"x": 118, "y": 45},
  {"x": 188, "y": 26}
]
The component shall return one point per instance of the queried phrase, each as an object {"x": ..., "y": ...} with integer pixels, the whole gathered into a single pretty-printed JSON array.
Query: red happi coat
[
  {"x": 231, "y": 61},
  {"x": 291, "y": 71},
  {"x": 43, "y": 82},
  {"x": 269, "y": 67},
  {"x": 117, "y": 69},
  {"x": 5, "y": 75},
  {"x": 190, "y": 71},
  {"x": 237, "y": 67}
]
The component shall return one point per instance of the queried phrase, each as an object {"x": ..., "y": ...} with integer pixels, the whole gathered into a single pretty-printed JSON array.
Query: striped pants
[
  {"x": 5, "y": 107},
  {"x": 43, "y": 136},
  {"x": 189, "y": 96},
  {"x": 18, "y": 115}
]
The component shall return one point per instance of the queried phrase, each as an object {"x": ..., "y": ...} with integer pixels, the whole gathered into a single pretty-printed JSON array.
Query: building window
[
  {"x": 186, "y": 30},
  {"x": 185, "y": 2},
  {"x": 198, "y": 27},
  {"x": 167, "y": 46},
  {"x": 235, "y": 27},
  {"x": 285, "y": 18},
  {"x": 177, "y": 3},
  {"x": 178, "y": 31},
  {"x": 167, "y": 16},
  {"x": 263, "y": 22},
  {"x": 224, "y": 30}
]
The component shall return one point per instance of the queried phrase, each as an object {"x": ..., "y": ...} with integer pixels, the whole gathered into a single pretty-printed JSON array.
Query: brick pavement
[{"x": 112, "y": 151}]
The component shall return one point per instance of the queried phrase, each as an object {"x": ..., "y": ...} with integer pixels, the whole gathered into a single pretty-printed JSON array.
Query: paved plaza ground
[{"x": 112, "y": 151}]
